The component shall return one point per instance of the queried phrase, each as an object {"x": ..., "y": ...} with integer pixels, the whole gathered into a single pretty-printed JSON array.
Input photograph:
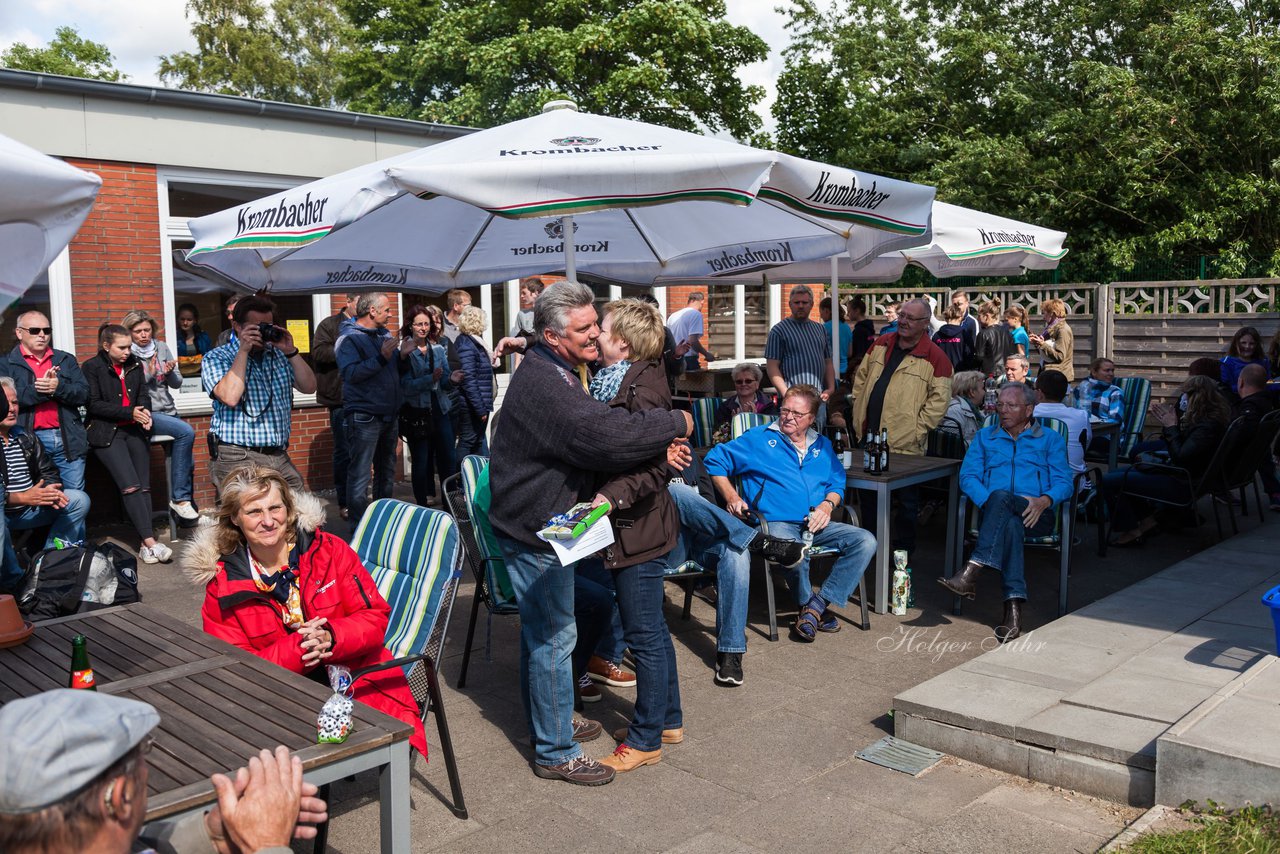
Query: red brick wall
[
  {"x": 115, "y": 257},
  {"x": 678, "y": 298}
]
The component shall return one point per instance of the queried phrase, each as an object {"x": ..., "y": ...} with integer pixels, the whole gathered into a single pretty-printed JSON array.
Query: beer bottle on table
[
  {"x": 884, "y": 449},
  {"x": 866, "y": 452},
  {"x": 81, "y": 670}
]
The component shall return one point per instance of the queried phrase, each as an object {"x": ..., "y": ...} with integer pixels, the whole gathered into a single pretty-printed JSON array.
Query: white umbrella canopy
[
  {"x": 457, "y": 213},
  {"x": 965, "y": 242},
  {"x": 43, "y": 201}
]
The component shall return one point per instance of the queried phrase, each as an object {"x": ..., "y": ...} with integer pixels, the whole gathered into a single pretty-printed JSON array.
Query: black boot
[
  {"x": 787, "y": 553},
  {"x": 965, "y": 583},
  {"x": 1011, "y": 626}
]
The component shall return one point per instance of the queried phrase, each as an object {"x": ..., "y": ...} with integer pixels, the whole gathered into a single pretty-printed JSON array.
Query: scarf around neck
[{"x": 605, "y": 384}]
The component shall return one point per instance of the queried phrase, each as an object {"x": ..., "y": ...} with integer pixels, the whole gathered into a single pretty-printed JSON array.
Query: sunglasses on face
[
  {"x": 37, "y": 330},
  {"x": 747, "y": 381}
]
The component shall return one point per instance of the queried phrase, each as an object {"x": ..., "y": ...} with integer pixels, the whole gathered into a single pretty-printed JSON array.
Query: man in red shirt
[{"x": 50, "y": 388}]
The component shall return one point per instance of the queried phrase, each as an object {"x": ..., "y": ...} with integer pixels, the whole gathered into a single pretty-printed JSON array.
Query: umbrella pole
[
  {"x": 835, "y": 319},
  {"x": 570, "y": 262}
]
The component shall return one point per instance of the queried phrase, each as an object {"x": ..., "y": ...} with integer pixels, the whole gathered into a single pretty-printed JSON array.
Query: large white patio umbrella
[
  {"x": 965, "y": 243},
  {"x": 640, "y": 202},
  {"x": 42, "y": 203}
]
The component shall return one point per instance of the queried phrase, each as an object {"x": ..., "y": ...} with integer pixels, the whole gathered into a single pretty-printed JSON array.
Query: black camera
[{"x": 270, "y": 333}]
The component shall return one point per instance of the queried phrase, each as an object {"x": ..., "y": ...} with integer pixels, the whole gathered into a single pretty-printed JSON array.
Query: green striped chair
[
  {"x": 704, "y": 419},
  {"x": 415, "y": 557},
  {"x": 742, "y": 422},
  {"x": 1137, "y": 397},
  {"x": 493, "y": 585}
]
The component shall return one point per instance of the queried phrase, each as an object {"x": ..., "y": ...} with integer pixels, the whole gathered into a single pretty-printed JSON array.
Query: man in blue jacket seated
[
  {"x": 790, "y": 474},
  {"x": 1016, "y": 471}
]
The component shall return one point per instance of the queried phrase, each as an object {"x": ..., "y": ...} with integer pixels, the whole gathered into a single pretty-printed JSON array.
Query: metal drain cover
[{"x": 900, "y": 755}]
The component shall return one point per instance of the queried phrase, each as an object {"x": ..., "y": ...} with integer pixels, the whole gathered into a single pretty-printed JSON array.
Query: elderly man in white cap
[{"x": 74, "y": 778}]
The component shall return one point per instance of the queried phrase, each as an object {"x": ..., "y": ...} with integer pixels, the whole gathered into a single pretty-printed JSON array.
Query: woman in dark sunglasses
[{"x": 747, "y": 396}]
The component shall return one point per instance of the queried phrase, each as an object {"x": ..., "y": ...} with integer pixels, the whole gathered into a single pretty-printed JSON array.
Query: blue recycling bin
[{"x": 1272, "y": 600}]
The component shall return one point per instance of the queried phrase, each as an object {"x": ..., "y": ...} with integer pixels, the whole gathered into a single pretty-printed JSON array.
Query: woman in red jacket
[{"x": 279, "y": 587}]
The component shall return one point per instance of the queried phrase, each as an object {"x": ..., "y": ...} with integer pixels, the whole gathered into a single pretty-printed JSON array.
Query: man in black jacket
[
  {"x": 34, "y": 496},
  {"x": 51, "y": 388},
  {"x": 552, "y": 443},
  {"x": 329, "y": 392}
]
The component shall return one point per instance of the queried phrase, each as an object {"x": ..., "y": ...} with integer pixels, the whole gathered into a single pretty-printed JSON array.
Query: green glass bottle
[{"x": 81, "y": 669}]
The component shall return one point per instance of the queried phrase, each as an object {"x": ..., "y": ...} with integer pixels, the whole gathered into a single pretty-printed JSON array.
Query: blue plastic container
[{"x": 1272, "y": 600}]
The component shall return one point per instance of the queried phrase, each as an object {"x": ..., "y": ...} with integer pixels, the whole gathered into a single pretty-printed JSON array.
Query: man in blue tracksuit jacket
[
  {"x": 1017, "y": 472},
  {"x": 789, "y": 473},
  {"x": 369, "y": 359}
]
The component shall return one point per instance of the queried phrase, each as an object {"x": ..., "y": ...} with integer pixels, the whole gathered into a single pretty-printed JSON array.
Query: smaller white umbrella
[{"x": 43, "y": 201}]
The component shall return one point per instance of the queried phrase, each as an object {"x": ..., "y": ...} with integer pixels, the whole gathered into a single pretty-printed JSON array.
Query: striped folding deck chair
[
  {"x": 1137, "y": 397},
  {"x": 415, "y": 557},
  {"x": 704, "y": 419}
]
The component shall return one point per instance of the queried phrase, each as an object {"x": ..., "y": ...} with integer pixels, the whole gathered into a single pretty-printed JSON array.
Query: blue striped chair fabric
[
  {"x": 414, "y": 556},
  {"x": 704, "y": 419},
  {"x": 1137, "y": 397}
]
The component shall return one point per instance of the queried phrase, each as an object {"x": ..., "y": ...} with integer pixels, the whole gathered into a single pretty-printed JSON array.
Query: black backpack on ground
[{"x": 56, "y": 584}]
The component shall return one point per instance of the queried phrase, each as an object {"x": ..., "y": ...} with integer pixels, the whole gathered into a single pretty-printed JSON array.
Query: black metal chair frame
[{"x": 456, "y": 501}]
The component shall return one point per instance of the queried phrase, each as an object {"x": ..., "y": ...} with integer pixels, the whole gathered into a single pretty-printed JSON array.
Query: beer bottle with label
[
  {"x": 884, "y": 449},
  {"x": 866, "y": 452},
  {"x": 81, "y": 669}
]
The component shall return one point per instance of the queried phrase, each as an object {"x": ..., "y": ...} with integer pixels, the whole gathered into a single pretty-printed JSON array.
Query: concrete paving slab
[
  {"x": 1141, "y": 695},
  {"x": 714, "y": 842},
  {"x": 1163, "y": 590},
  {"x": 1188, "y": 658},
  {"x": 982, "y": 828},
  {"x": 1069, "y": 809},
  {"x": 1102, "y": 735},
  {"x": 974, "y": 700},
  {"x": 1048, "y": 663},
  {"x": 548, "y": 826},
  {"x": 948, "y": 786},
  {"x": 1216, "y": 569},
  {"x": 1246, "y": 610}
]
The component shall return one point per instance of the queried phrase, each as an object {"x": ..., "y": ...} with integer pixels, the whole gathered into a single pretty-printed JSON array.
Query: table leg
[
  {"x": 949, "y": 562},
  {"x": 393, "y": 800},
  {"x": 884, "y": 549}
]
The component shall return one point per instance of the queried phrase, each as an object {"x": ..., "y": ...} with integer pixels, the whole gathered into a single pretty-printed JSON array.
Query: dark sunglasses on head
[{"x": 38, "y": 330}]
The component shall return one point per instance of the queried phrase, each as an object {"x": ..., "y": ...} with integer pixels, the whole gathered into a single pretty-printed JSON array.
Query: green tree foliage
[
  {"x": 287, "y": 51},
  {"x": 68, "y": 54},
  {"x": 1144, "y": 129},
  {"x": 484, "y": 62}
]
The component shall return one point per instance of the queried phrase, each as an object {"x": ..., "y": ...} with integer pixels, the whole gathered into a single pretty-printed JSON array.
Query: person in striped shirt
[
  {"x": 34, "y": 496},
  {"x": 798, "y": 351}
]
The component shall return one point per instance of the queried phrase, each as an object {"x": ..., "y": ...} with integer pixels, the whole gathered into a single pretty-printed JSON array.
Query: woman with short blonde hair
[{"x": 477, "y": 383}]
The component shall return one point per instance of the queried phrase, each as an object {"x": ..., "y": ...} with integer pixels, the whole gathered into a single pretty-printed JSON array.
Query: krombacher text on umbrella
[
  {"x": 846, "y": 195},
  {"x": 558, "y": 248},
  {"x": 782, "y": 254},
  {"x": 352, "y": 275},
  {"x": 520, "y": 152},
  {"x": 989, "y": 237},
  {"x": 305, "y": 212}
]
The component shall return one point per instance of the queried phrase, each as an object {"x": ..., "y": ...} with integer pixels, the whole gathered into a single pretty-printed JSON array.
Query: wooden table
[
  {"x": 218, "y": 706},
  {"x": 905, "y": 471}
]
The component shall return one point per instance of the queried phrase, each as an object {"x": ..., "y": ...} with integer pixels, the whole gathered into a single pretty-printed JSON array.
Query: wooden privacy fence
[{"x": 1150, "y": 329}]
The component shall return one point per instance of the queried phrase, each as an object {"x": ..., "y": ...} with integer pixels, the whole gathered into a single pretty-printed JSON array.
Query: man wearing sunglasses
[{"x": 51, "y": 388}]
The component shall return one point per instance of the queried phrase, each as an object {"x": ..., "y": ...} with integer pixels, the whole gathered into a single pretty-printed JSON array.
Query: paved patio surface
[{"x": 763, "y": 767}]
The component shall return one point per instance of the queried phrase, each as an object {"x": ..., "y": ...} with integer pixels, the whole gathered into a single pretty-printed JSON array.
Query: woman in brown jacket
[
  {"x": 1056, "y": 344},
  {"x": 646, "y": 524}
]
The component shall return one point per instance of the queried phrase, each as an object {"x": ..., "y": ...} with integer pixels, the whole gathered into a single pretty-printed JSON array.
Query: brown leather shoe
[
  {"x": 580, "y": 770},
  {"x": 626, "y": 758},
  {"x": 1011, "y": 626},
  {"x": 607, "y": 673},
  {"x": 669, "y": 736},
  {"x": 965, "y": 583}
]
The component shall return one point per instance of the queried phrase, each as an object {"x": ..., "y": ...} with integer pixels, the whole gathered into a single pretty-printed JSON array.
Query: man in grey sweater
[{"x": 552, "y": 441}]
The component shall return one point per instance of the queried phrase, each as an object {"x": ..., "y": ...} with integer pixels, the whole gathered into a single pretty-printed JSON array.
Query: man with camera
[{"x": 250, "y": 380}]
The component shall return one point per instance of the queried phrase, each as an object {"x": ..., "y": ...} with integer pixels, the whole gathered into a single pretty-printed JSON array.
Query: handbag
[{"x": 415, "y": 423}]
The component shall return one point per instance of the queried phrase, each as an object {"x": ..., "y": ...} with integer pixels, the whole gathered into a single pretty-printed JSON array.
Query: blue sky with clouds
[{"x": 139, "y": 31}]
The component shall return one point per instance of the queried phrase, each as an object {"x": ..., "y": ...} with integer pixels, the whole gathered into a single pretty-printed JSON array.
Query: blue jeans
[
  {"x": 612, "y": 644},
  {"x": 856, "y": 547},
  {"x": 545, "y": 595},
  {"x": 67, "y": 524},
  {"x": 71, "y": 471},
  {"x": 182, "y": 465},
  {"x": 640, "y": 600},
  {"x": 709, "y": 534},
  {"x": 432, "y": 455},
  {"x": 1000, "y": 538},
  {"x": 372, "y": 441},
  {"x": 341, "y": 453},
  {"x": 472, "y": 438}
]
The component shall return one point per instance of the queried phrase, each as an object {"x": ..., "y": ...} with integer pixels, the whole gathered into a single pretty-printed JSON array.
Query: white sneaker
[
  {"x": 159, "y": 553},
  {"x": 184, "y": 510}
]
